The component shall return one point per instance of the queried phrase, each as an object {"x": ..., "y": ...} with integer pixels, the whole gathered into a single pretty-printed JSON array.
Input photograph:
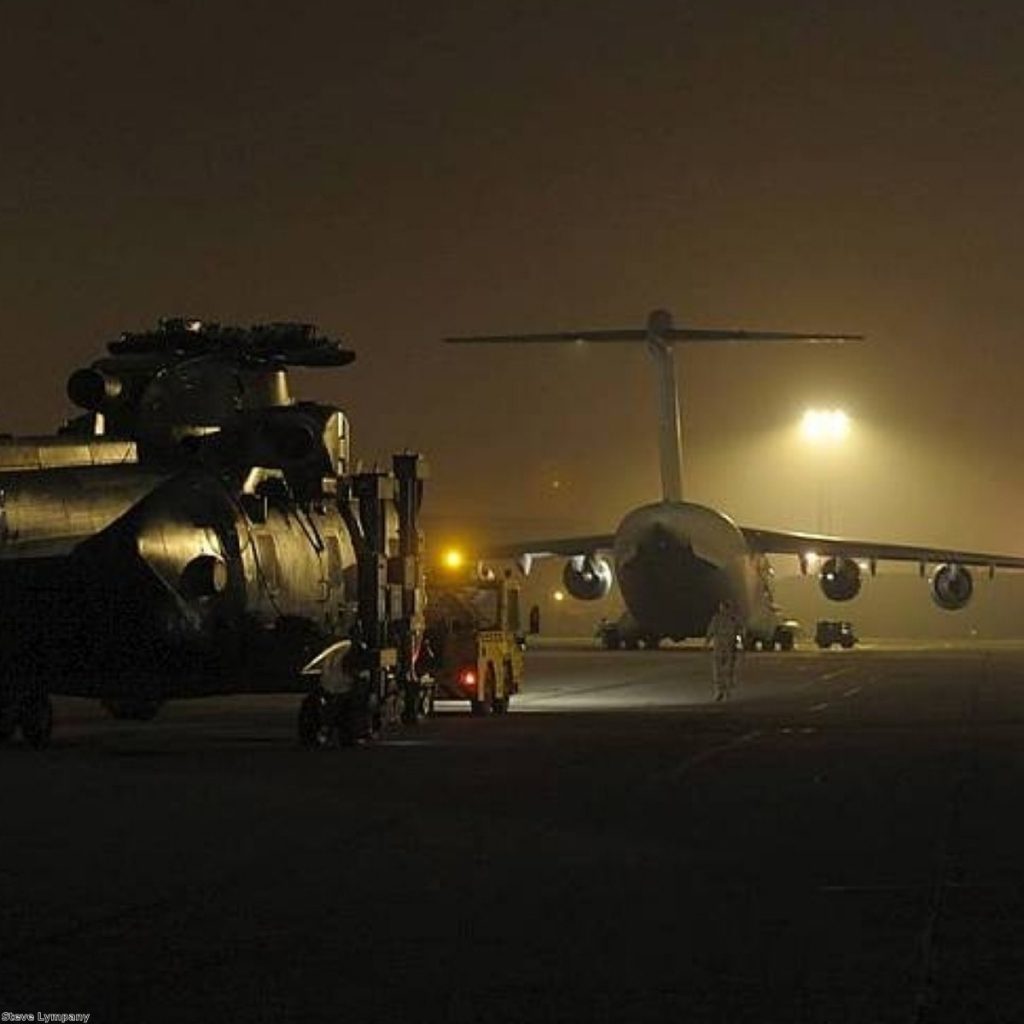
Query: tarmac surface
[{"x": 842, "y": 842}]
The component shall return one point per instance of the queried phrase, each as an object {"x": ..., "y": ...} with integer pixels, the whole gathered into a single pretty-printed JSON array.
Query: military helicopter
[{"x": 198, "y": 531}]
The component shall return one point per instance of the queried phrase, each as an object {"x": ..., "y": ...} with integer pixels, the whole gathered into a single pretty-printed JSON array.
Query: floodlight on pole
[
  {"x": 826, "y": 430},
  {"x": 825, "y": 426}
]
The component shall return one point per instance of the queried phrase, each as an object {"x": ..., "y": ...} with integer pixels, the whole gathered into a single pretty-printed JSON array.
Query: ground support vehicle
[
  {"x": 783, "y": 639},
  {"x": 368, "y": 681},
  {"x": 473, "y": 643},
  {"x": 834, "y": 631}
]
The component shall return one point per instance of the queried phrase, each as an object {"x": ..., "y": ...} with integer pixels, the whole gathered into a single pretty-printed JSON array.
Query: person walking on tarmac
[{"x": 723, "y": 630}]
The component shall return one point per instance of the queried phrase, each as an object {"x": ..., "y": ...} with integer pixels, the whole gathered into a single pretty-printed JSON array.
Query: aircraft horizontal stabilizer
[
  {"x": 678, "y": 334},
  {"x": 660, "y": 328},
  {"x": 557, "y": 336}
]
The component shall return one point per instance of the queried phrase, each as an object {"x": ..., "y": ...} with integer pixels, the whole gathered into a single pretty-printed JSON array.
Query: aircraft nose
[
  {"x": 657, "y": 548},
  {"x": 660, "y": 540}
]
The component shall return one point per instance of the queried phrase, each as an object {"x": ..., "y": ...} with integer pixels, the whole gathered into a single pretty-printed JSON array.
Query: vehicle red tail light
[{"x": 467, "y": 678}]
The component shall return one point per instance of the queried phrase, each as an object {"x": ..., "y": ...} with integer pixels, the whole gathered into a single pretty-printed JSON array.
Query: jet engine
[
  {"x": 93, "y": 389},
  {"x": 587, "y": 577},
  {"x": 840, "y": 578},
  {"x": 952, "y": 587}
]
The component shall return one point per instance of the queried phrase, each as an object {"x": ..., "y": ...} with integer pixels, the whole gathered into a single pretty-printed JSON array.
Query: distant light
[
  {"x": 559, "y": 595},
  {"x": 820, "y": 425},
  {"x": 452, "y": 559}
]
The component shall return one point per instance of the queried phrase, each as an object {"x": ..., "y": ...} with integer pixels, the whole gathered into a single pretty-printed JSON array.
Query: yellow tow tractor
[{"x": 473, "y": 640}]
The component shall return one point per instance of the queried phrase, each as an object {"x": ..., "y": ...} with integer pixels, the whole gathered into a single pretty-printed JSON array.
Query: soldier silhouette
[{"x": 723, "y": 630}]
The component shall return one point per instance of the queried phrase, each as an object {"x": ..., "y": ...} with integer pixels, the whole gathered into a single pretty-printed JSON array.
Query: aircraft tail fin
[{"x": 660, "y": 335}]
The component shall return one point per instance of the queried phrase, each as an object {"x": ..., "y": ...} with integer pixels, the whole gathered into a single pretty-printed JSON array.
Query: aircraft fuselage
[
  {"x": 677, "y": 560},
  {"x": 118, "y": 582}
]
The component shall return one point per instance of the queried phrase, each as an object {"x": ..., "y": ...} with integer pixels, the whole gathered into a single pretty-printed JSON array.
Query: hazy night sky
[{"x": 398, "y": 172}]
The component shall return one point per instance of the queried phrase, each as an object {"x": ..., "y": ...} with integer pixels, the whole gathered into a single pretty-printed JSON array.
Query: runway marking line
[
  {"x": 825, "y": 676},
  {"x": 554, "y": 693},
  {"x": 819, "y": 707},
  {"x": 707, "y": 755}
]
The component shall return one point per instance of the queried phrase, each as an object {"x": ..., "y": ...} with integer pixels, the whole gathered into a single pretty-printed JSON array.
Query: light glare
[{"x": 825, "y": 425}]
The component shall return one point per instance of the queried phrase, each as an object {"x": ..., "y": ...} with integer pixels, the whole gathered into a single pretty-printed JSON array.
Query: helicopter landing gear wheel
[
  {"x": 35, "y": 716},
  {"x": 359, "y": 716},
  {"x": 8, "y": 720},
  {"x": 359, "y": 720}
]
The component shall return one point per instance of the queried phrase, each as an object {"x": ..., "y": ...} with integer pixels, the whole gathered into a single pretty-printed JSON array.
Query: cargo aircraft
[{"x": 676, "y": 559}]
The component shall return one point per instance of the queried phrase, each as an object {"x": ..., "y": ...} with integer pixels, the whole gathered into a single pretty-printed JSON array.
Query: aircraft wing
[
  {"x": 779, "y": 543},
  {"x": 567, "y": 546}
]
